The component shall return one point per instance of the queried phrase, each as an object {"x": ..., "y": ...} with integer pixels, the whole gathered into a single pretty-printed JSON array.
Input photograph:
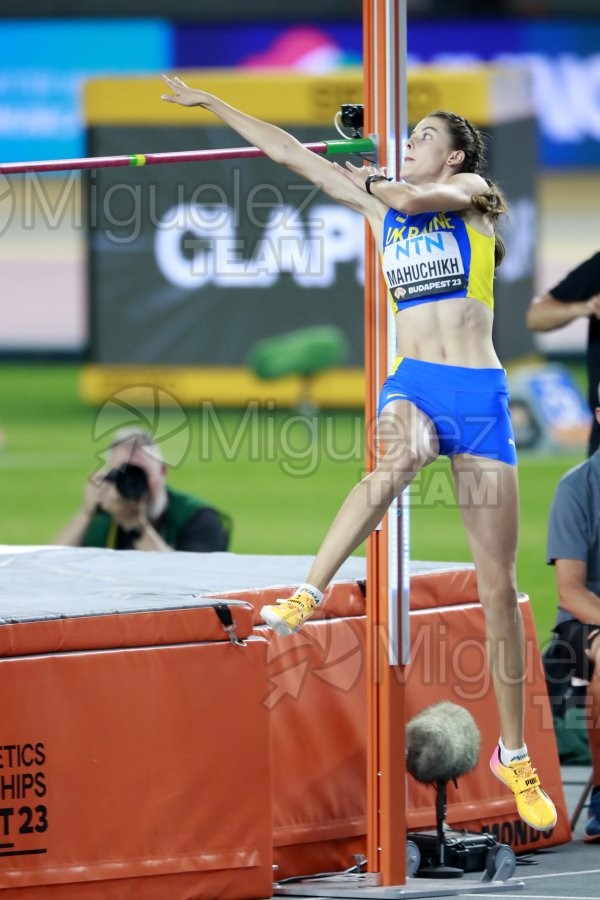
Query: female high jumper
[{"x": 447, "y": 394}]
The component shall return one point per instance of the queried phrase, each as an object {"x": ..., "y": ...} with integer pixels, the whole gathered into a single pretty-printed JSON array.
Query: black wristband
[{"x": 373, "y": 178}]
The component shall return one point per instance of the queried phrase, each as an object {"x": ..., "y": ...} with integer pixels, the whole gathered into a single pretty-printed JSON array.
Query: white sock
[
  {"x": 509, "y": 756},
  {"x": 314, "y": 592}
]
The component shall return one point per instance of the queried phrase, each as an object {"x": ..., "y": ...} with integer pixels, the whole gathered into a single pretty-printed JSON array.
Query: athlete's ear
[{"x": 456, "y": 158}]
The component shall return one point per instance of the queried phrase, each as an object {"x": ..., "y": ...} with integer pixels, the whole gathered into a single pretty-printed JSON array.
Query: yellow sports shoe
[
  {"x": 287, "y": 616},
  {"x": 534, "y": 805}
]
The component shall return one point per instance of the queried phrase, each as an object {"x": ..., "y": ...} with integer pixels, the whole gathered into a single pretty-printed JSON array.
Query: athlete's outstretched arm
[{"x": 278, "y": 145}]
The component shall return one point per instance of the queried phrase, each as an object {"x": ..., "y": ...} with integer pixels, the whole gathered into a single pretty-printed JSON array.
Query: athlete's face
[{"x": 427, "y": 152}]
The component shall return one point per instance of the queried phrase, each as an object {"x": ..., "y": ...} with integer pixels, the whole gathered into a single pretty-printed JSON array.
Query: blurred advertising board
[
  {"x": 45, "y": 63},
  {"x": 563, "y": 56},
  {"x": 43, "y": 67},
  {"x": 548, "y": 410}
]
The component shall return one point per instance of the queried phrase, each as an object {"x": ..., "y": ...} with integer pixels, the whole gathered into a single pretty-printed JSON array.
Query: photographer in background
[{"x": 130, "y": 507}]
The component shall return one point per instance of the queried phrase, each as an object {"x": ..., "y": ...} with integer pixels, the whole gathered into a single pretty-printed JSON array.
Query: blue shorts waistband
[{"x": 453, "y": 378}]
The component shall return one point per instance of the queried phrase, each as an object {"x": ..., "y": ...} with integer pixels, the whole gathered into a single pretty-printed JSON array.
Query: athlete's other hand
[
  {"x": 359, "y": 174},
  {"x": 184, "y": 95}
]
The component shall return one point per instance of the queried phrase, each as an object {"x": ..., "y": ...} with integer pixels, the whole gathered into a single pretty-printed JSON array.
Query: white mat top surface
[{"x": 56, "y": 582}]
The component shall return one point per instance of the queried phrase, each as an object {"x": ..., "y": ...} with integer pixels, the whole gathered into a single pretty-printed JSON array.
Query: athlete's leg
[
  {"x": 488, "y": 495},
  {"x": 410, "y": 442}
]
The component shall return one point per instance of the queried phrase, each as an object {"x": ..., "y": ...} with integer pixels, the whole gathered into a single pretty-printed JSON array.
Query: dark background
[{"x": 276, "y": 9}]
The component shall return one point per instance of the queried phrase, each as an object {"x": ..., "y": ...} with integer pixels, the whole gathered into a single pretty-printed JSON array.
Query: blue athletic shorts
[{"x": 468, "y": 407}]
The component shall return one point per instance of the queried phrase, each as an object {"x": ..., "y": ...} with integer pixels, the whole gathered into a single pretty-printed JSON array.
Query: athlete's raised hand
[{"x": 184, "y": 95}]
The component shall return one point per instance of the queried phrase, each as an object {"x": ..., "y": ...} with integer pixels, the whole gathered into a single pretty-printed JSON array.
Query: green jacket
[{"x": 179, "y": 511}]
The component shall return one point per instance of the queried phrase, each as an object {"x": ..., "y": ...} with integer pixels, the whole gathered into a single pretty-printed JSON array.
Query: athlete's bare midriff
[{"x": 454, "y": 332}]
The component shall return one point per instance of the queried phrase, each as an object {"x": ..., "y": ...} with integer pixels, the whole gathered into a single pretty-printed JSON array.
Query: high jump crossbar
[{"x": 323, "y": 148}]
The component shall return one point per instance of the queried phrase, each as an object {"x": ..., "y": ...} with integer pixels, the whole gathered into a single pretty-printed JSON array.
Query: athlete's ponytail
[
  {"x": 464, "y": 136},
  {"x": 493, "y": 204}
]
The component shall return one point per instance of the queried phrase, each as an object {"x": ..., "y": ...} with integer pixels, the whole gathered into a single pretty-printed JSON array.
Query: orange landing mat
[{"x": 140, "y": 747}]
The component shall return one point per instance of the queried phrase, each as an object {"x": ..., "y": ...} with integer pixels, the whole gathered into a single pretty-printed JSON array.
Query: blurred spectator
[
  {"x": 574, "y": 550},
  {"x": 128, "y": 506},
  {"x": 576, "y": 296}
]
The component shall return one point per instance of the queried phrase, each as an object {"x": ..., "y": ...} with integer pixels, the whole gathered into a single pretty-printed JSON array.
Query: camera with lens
[
  {"x": 130, "y": 481},
  {"x": 352, "y": 116}
]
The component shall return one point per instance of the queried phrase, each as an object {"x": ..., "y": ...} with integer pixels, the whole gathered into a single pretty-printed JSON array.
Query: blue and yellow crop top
[{"x": 435, "y": 256}]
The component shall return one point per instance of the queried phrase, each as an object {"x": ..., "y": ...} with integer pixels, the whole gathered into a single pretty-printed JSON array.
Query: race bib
[{"x": 423, "y": 266}]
